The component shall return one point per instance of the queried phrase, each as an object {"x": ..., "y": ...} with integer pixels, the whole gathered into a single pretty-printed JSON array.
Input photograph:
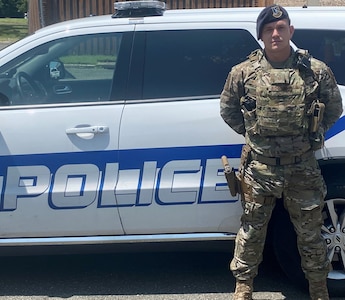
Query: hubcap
[{"x": 333, "y": 232}]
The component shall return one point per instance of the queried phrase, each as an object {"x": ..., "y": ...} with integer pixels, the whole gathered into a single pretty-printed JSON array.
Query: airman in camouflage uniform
[{"x": 269, "y": 99}]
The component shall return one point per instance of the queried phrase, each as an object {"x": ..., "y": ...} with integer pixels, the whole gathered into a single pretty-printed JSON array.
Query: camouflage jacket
[{"x": 242, "y": 82}]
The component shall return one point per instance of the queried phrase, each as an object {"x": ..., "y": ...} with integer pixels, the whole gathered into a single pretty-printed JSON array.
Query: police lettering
[{"x": 76, "y": 186}]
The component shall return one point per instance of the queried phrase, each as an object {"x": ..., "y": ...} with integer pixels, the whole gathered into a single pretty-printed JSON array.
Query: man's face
[{"x": 276, "y": 35}]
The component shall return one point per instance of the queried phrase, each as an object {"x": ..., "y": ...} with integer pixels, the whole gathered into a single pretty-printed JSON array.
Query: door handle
[
  {"x": 88, "y": 129},
  {"x": 62, "y": 89},
  {"x": 87, "y": 132}
]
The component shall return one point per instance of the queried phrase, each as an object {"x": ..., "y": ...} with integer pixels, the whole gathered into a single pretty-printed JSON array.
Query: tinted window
[
  {"x": 192, "y": 62},
  {"x": 72, "y": 69},
  {"x": 326, "y": 45}
]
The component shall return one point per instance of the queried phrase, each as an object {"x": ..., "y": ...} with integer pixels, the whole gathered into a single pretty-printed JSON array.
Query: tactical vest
[{"x": 280, "y": 101}]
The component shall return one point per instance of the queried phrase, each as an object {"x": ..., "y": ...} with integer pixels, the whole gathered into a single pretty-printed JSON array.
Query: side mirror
[{"x": 56, "y": 70}]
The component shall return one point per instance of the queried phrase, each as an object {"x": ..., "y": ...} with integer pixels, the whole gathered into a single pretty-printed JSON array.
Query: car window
[
  {"x": 326, "y": 45},
  {"x": 73, "y": 69},
  {"x": 184, "y": 63}
]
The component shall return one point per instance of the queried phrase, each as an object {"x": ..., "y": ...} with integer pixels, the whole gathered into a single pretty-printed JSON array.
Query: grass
[{"x": 12, "y": 29}]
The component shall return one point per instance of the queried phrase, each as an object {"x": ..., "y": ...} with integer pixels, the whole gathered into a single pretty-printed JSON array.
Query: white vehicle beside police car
[{"x": 111, "y": 133}]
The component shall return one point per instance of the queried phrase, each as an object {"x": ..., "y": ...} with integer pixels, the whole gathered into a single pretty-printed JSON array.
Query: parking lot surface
[{"x": 149, "y": 276}]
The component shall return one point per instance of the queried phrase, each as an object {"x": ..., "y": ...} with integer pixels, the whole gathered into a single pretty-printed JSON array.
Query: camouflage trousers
[{"x": 302, "y": 188}]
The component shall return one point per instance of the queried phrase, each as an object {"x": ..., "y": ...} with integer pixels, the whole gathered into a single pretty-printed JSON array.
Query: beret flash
[{"x": 270, "y": 14}]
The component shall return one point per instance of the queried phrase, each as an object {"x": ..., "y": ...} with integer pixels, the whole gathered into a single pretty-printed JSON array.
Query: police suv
[{"x": 110, "y": 130}]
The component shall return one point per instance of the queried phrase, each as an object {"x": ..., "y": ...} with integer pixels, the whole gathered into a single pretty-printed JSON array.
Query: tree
[
  {"x": 13, "y": 8},
  {"x": 22, "y": 6}
]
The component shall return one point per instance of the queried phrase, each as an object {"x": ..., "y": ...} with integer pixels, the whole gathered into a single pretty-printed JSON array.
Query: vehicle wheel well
[
  {"x": 334, "y": 176},
  {"x": 281, "y": 239}
]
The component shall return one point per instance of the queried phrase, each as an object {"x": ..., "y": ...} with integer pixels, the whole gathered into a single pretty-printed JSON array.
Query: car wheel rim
[{"x": 333, "y": 232}]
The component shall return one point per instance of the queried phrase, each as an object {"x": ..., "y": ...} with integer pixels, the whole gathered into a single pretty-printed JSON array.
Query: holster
[
  {"x": 231, "y": 177},
  {"x": 316, "y": 135},
  {"x": 245, "y": 155},
  {"x": 245, "y": 159}
]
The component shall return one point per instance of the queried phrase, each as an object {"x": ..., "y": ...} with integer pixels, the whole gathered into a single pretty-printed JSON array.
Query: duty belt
[{"x": 282, "y": 160}]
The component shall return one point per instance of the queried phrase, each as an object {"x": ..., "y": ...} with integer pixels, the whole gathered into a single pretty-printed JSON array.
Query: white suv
[{"x": 111, "y": 133}]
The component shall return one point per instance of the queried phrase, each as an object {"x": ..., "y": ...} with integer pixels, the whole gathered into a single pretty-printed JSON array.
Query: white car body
[{"x": 130, "y": 170}]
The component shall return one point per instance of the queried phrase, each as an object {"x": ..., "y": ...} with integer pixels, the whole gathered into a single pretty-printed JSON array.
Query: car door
[
  {"x": 172, "y": 139},
  {"x": 59, "y": 136}
]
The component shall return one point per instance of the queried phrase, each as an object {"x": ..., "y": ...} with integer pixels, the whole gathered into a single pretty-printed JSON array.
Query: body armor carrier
[{"x": 280, "y": 107}]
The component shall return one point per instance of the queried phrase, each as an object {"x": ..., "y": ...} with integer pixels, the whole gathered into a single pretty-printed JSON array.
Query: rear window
[
  {"x": 187, "y": 63},
  {"x": 326, "y": 45}
]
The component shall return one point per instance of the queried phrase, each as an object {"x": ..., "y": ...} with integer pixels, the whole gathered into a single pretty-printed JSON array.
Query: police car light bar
[{"x": 144, "y": 8}]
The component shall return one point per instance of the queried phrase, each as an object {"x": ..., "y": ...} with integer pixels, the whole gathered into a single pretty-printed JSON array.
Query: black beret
[{"x": 270, "y": 14}]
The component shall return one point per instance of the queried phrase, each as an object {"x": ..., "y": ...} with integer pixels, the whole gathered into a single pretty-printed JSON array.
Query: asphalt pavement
[{"x": 139, "y": 276}]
